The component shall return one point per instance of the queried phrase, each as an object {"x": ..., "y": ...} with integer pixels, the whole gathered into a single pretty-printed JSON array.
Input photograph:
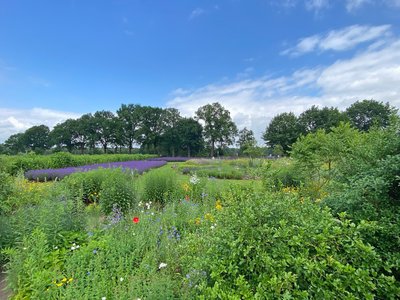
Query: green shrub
[
  {"x": 276, "y": 178},
  {"x": 62, "y": 160},
  {"x": 7, "y": 188},
  {"x": 159, "y": 186},
  {"x": 118, "y": 189},
  {"x": 32, "y": 268},
  {"x": 273, "y": 246}
]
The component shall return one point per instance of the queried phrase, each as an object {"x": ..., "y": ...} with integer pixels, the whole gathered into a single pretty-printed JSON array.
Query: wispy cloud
[
  {"x": 339, "y": 40},
  {"x": 352, "y": 5},
  {"x": 18, "y": 120},
  {"x": 196, "y": 13},
  {"x": 371, "y": 74},
  {"x": 317, "y": 5}
]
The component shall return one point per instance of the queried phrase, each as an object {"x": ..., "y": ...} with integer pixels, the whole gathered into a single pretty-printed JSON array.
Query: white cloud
[
  {"x": 18, "y": 120},
  {"x": 352, "y": 5},
  {"x": 372, "y": 74},
  {"x": 316, "y": 5},
  {"x": 340, "y": 40},
  {"x": 196, "y": 13}
]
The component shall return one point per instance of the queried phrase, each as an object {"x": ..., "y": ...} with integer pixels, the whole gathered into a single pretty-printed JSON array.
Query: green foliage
[
  {"x": 36, "y": 138},
  {"x": 219, "y": 129},
  {"x": 316, "y": 118},
  {"x": 246, "y": 141},
  {"x": 31, "y": 161},
  {"x": 282, "y": 175},
  {"x": 364, "y": 114},
  {"x": 273, "y": 246},
  {"x": 118, "y": 190},
  {"x": 282, "y": 130},
  {"x": 7, "y": 188},
  {"x": 159, "y": 186},
  {"x": 32, "y": 268}
]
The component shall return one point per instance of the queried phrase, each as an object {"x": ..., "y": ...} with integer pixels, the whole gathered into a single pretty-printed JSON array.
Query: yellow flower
[
  {"x": 209, "y": 217},
  {"x": 70, "y": 280},
  {"x": 218, "y": 205},
  {"x": 186, "y": 187},
  {"x": 197, "y": 221},
  {"x": 64, "y": 280},
  {"x": 59, "y": 284}
]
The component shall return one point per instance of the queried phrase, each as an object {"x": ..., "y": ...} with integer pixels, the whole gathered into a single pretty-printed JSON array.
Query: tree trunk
[
  {"x": 105, "y": 148},
  {"x": 188, "y": 151},
  {"x": 212, "y": 148}
]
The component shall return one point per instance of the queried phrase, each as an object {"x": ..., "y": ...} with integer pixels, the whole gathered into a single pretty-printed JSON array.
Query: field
[{"x": 318, "y": 226}]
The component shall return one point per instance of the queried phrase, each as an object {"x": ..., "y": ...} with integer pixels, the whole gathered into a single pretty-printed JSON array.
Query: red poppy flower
[{"x": 135, "y": 220}]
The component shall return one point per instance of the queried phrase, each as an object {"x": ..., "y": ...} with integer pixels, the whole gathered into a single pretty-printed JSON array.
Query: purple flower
[{"x": 135, "y": 165}]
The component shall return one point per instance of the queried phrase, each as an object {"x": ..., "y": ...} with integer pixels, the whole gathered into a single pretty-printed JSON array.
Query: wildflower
[
  {"x": 121, "y": 279},
  {"x": 73, "y": 248},
  {"x": 218, "y": 205},
  {"x": 59, "y": 284},
  {"x": 95, "y": 251},
  {"x": 135, "y": 220},
  {"x": 162, "y": 265},
  {"x": 203, "y": 195},
  {"x": 194, "y": 179},
  {"x": 209, "y": 217},
  {"x": 197, "y": 221},
  {"x": 103, "y": 298},
  {"x": 70, "y": 280},
  {"x": 55, "y": 247},
  {"x": 64, "y": 280},
  {"x": 186, "y": 187}
]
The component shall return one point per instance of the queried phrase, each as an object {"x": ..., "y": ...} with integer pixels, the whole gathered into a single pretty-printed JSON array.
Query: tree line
[{"x": 210, "y": 132}]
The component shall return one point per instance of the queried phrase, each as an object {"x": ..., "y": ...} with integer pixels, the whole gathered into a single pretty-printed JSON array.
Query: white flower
[
  {"x": 212, "y": 227},
  {"x": 77, "y": 246},
  {"x": 162, "y": 265},
  {"x": 103, "y": 298},
  {"x": 121, "y": 279},
  {"x": 194, "y": 179},
  {"x": 55, "y": 247},
  {"x": 73, "y": 248}
]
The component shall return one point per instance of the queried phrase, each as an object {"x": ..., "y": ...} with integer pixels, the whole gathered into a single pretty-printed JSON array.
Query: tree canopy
[
  {"x": 219, "y": 129},
  {"x": 364, "y": 114}
]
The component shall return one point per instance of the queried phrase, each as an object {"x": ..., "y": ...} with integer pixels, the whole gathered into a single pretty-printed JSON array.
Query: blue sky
[{"x": 60, "y": 59}]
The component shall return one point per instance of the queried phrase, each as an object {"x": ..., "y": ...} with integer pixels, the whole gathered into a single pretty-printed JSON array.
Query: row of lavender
[{"x": 135, "y": 165}]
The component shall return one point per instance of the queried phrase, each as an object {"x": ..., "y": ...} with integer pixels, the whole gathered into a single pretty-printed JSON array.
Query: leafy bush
[
  {"x": 118, "y": 190},
  {"x": 7, "y": 188},
  {"x": 285, "y": 175},
  {"x": 86, "y": 186},
  {"x": 273, "y": 246},
  {"x": 159, "y": 186}
]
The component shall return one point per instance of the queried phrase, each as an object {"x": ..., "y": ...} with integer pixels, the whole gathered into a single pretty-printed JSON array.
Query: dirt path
[{"x": 4, "y": 294}]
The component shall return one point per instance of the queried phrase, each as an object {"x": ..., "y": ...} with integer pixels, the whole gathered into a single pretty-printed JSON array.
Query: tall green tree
[
  {"x": 105, "y": 128},
  {"x": 366, "y": 113},
  {"x": 152, "y": 129},
  {"x": 85, "y": 134},
  {"x": 282, "y": 130},
  {"x": 130, "y": 117},
  {"x": 15, "y": 143},
  {"x": 63, "y": 134},
  {"x": 219, "y": 129},
  {"x": 316, "y": 118},
  {"x": 246, "y": 140},
  {"x": 170, "y": 137},
  {"x": 36, "y": 138},
  {"x": 190, "y": 133}
]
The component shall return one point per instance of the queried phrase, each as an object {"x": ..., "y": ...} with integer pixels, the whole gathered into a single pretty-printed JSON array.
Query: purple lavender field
[{"x": 51, "y": 174}]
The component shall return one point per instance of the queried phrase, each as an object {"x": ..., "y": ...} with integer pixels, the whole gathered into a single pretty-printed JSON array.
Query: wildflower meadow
[{"x": 322, "y": 224}]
